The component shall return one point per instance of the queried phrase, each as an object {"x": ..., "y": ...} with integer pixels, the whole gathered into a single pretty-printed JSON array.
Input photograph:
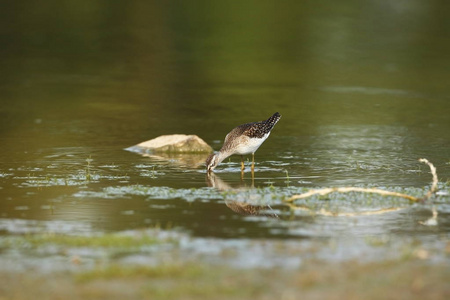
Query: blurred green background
[{"x": 85, "y": 69}]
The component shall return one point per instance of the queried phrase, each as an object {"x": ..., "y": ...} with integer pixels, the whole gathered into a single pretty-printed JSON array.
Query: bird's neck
[{"x": 221, "y": 155}]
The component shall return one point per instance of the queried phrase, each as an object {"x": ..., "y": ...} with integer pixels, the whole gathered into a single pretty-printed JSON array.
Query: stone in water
[{"x": 174, "y": 143}]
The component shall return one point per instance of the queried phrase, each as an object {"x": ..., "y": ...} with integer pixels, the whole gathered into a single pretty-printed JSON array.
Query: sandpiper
[{"x": 242, "y": 140}]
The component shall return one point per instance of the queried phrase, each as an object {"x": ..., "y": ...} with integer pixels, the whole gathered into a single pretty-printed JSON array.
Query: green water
[{"x": 362, "y": 87}]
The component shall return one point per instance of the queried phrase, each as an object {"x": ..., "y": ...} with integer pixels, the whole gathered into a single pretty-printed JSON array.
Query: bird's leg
[
  {"x": 242, "y": 167},
  {"x": 253, "y": 164},
  {"x": 253, "y": 170}
]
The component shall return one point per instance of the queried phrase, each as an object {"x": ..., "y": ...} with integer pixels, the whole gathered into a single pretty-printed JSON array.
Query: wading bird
[{"x": 242, "y": 140}]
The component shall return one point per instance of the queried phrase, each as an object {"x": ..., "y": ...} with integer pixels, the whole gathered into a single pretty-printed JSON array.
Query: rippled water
[{"x": 362, "y": 98}]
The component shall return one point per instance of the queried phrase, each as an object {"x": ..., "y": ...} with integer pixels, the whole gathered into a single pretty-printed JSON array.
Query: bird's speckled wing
[
  {"x": 260, "y": 129},
  {"x": 251, "y": 130}
]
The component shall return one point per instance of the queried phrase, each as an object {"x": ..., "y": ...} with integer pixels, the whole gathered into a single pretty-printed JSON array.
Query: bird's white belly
[{"x": 250, "y": 145}]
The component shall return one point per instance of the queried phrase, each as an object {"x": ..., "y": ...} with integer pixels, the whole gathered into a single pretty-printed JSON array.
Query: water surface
[{"x": 362, "y": 88}]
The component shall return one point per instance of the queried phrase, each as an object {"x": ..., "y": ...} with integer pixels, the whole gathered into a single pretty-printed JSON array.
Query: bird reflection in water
[{"x": 240, "y": 207}]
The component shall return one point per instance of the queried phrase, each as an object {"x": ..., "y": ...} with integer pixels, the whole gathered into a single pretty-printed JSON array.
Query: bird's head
[{"x": 211, "y": 162}]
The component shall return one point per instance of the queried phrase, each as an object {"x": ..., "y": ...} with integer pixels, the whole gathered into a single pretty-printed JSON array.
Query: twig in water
[
  {"x": 326, "y": 191},
  {"x": 433, "y": 189}
]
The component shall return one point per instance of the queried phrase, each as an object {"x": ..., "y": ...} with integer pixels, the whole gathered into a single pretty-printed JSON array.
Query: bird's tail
[{"x": 270, "y": 122}]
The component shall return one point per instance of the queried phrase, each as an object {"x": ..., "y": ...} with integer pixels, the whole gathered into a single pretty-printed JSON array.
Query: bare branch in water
[
  {"x": 433, "y": 189},
  {"x": 326, "y": 191}
]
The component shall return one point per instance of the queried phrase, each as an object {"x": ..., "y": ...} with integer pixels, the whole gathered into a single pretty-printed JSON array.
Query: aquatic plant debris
[{"x": 326, "y": 191}]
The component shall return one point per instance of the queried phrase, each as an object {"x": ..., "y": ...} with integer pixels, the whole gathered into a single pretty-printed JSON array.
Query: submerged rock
[{"x": 174, "y": 143}]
